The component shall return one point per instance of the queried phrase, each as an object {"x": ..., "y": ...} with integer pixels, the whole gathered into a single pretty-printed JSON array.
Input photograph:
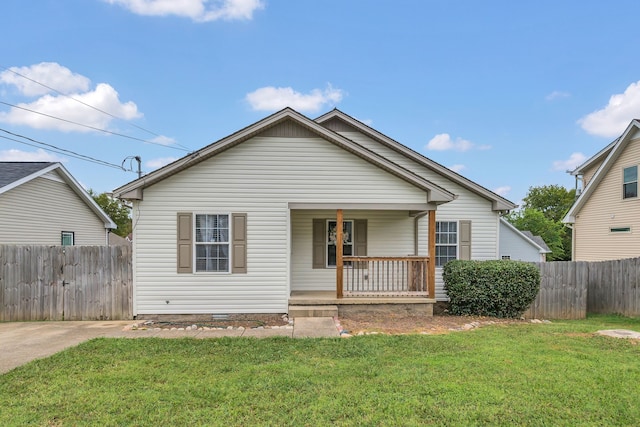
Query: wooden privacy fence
[
  {"x": 571, "y": 289},
  {"x": 65, "y": 283}
]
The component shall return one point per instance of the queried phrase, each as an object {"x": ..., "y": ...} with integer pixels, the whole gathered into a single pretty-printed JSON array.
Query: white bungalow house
[
  {"x": 249, "y": 222},
  {"x": 42, "y": 204}
]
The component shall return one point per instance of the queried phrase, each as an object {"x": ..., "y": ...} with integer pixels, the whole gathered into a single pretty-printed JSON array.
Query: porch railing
[{"x": 386, "y": 276}]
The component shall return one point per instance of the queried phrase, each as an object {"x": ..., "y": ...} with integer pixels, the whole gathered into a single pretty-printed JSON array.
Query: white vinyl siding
[
  {"x": 389, "y": 233},
  {"x": 606, "y": 209},
  {"x": 513, "y": 246},
  {"x": 258, "y": 177},
  {"x": 468, "y": 206},
  {"x": 38, "y": 211}
]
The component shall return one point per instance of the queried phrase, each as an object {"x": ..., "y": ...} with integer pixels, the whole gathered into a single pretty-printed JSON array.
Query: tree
[
  {"x": 552, "y": 200},
  {"x": 117, "y": 211},
  {"x": 552, "y": 232}
]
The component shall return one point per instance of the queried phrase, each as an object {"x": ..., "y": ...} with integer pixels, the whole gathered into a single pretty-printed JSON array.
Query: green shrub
[{"x": 490, "y": 288}]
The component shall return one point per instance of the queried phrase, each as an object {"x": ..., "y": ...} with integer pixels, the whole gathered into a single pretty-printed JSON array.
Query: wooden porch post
[
  {"x": 432, "y": 255},
  {"x": 339, "y": 261}
]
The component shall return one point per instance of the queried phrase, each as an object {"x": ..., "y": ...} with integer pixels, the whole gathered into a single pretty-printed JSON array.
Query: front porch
[
  {"x": 326, "y": 304},
  {"x": 370, "y": 270}
]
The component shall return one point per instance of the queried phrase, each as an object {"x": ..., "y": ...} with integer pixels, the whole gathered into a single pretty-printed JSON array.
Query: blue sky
[{"x": 508, "y": 94}]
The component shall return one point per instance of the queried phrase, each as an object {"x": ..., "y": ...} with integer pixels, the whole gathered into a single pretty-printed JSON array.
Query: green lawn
[{"x": 528, "y": 374}]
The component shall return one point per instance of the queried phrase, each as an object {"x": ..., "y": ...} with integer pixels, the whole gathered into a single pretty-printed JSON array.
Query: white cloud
[
  {"x": 197, "y": 10},
  {"x": 104, "y": 97},
  {"x": 13, "y": 155},
  {"x": 276, "y": 98},
  {"x": 557, "y": 94},
  {"x": 457, "y": 168},
  {"x": 163, "y": 140},
  {"x": 614, "y": 118},
  {"x": 48, "y": 73},
  {"x": 159, "y": 162},
  {"x": 574, "y": 160},
  {"x": 502, "y": 191},
  {"x": 444, "y": 142}
]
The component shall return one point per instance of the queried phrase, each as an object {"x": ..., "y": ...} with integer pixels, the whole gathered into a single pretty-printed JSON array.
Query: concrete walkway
[{"x": 21, "y": 342}]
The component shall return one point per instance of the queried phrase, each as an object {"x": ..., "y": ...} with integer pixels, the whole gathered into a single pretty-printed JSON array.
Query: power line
[
  {"x": 58, "y": 150},
  {"x": 77, "y": 100},
  {"x": 94, "y": 128}
]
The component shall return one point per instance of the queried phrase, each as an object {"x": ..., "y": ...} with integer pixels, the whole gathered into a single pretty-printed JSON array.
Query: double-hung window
[
  {"x": 630, "y": 182},
  {"x": 347, "y": 240},
  {"x": 446, "y": 242},
  {"x": 212, "y": 242},
  {"x": 67, "y": 238}
]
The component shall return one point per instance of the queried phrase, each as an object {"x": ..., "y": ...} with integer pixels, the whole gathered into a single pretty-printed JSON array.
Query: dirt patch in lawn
[
  {"x": 246, "y": 321},
  {"x": 406, "y": 324},
  {"x": 354, "y": 323}
]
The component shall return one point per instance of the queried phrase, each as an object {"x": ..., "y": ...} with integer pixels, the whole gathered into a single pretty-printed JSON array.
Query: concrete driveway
[{"x": 21, "y": 342}]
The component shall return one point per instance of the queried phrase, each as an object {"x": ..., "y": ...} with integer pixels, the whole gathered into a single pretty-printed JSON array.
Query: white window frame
[
  {"x": 624, "y": 183},
  {"x": 196, "y": 243},
  {"x": 448, "y": 244},
  {"x": 68, "y": 234},
  {"x": 328, "y": 244}
]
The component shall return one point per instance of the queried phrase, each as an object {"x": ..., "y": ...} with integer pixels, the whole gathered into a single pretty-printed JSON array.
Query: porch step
[{"x": 313, "y": 311}]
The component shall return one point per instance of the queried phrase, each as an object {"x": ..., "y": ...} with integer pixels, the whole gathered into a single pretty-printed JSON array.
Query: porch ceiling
[{"x": 417, "y": 207}]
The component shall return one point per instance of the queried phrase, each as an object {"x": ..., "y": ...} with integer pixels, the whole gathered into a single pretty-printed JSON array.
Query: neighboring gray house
[
  {"x": 42, "y": 204},
  {"x": 521, "y": 245},
  {"x": 245, "y": 223}
]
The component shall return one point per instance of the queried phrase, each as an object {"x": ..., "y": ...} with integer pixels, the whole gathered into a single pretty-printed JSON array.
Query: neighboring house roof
[
  {"x": 115, "y": 240},
  {"x": 535, "y": 241},
  {"x": 499, "y": 203},
  {"x": 14, "y": 174},
  {"x": 598, "y": 157},
  {"x": 611, "y": 154},
  {"x": 132, "y": 190}
]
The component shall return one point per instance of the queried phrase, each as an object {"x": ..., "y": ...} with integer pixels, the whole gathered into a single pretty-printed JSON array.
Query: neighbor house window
[
  {"x": 630, "y": 183},
  {"x": 212, "y": 243},
  {"x": 620, "y": 229},
  {"x": 347, "y": 240},
  {"x": 67, "y": 238},
  {"x": 446, "y": 242}
]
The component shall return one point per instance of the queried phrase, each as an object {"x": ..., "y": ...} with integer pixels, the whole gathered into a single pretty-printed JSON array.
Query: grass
[{"x": 549, "y": 374}]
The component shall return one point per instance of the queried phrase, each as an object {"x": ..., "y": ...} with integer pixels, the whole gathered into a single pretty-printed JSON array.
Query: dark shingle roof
[
  {"x": 14, "y": 171},
  {"x": 537, "y": 239}
]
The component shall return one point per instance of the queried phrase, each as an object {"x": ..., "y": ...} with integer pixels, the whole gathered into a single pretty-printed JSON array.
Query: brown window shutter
[
  {"x": 360, "y": 236},
  {"x": 319, "y": 243},
  {"x": 465, "y": 240},
  {"x": 185, "y": 242},
  {"x": 239, "y": 242}
]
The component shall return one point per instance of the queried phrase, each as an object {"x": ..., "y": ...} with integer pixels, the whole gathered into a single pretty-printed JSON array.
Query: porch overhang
[{"x": 411, "y": 207}]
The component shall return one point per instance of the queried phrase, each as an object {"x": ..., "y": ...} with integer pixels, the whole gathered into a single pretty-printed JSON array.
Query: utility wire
[
  {"x": 58, "y": 150},
  {"x": 93, "y": 127},
  {"x": 92, "y": 107},
  {"x": 75, "y": 99}
]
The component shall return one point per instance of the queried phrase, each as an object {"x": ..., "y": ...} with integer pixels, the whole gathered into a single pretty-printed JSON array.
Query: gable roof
[
  {"x": 14, "y": 174},
  {"x": 499, "y": 203},
  {"x": 132, "y": 190},
  {"x": 594, "y": 159},
  {"x": 612, "y": 152},
  {"x": 528, "y": 237}
]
